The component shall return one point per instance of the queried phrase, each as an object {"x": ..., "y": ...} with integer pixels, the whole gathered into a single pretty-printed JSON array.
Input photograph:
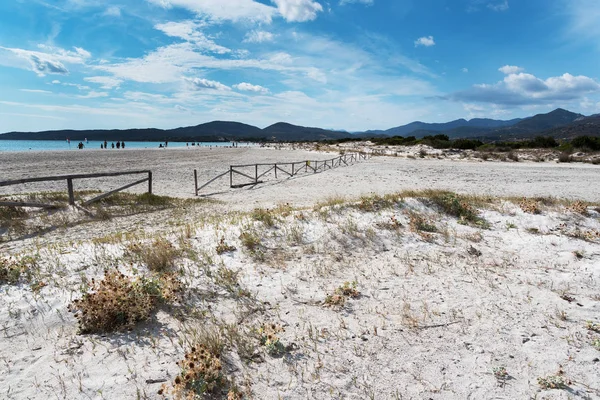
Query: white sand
[
  {"x": 173, "y": 175},
  {"x": 433, "y": 320}
]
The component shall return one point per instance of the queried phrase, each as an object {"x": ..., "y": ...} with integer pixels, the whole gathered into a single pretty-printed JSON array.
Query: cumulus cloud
[
  {"x": 527, "y": 89},
  {"x": 257, "y": 36},
  {"x": 426, "y": 41},
  {"x": 298, "y": 10},
  {"x": 201, "y": 83},
  {"x": 510, "y": 69},
  {"x": 247, "y": 87},
  {"x": 106, "y": 82},
  {"x": 465, "y": 70},
  {"x": 190, "y": 32}
]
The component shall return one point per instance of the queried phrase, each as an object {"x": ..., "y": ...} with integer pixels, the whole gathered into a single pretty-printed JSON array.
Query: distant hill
[
  {"x": 536, "y": 125},
  {"x": 558, "y": 124},
  {"x": 587, "y": 126},
  {"x": 288, "y": 132},
  {"x": 477, "y": 123},
  {"x": 209, "y": 132}
]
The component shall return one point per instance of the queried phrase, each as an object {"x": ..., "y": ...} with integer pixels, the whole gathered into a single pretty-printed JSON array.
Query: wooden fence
[
  {"x": 252, "y": 173},
  {"x": 70, "y": 179}
]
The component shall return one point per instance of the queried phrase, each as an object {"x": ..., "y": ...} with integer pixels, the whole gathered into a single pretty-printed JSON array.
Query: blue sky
[{"x": 339, "y": 64}]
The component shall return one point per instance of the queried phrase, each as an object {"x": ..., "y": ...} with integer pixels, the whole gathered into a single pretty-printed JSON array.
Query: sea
[{"x": 49, "y": 145}]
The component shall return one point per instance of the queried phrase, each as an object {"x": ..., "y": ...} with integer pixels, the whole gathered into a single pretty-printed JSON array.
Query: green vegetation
[{"x": 585, "y": 143}]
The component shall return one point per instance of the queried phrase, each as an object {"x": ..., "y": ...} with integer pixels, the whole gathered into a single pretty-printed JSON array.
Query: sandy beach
[
  {"x": 335, "y": 285},
  {"x": 173, "y": 175}
]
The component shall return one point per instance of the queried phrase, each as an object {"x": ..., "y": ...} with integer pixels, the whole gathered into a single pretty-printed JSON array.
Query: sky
[{"x": 336, "y": 64}]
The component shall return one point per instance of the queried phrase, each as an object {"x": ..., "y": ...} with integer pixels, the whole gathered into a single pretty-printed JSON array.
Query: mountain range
[{"x": 560, "y": 124}]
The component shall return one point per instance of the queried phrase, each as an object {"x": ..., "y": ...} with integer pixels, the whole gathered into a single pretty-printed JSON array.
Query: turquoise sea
[{"x": 44, "y": 145}]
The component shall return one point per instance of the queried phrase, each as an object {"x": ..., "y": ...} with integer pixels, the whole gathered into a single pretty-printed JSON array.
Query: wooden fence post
[
  {"x": 293, "y": 165},
  {"x": 149, "y": 182},
  {"x": 71, "y": 193},
  {"x": 255, "y": 173},
  {"x": 196, "y": 181},
  {"x": 275, "y": 170}
]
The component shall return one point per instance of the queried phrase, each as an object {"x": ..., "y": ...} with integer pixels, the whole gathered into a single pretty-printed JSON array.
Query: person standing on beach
[
  {"x": 122, "y": 144},
  {"x": 118, "y": 145},
  {"x": 113, "y": 145},
  {"x": 105, "y": 145}
]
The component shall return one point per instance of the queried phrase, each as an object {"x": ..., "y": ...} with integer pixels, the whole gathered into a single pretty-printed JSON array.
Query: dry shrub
[
  {"x": 530, "y": 206},
  {"x": 341, "y": 294},
  {"x": 158, "y": 256},
  {"x": 578, "y": 207},
  {"x": 268, "y": 338},
  {"x": 250, "y": 240},
  {"x": 224, "y": 247},
  {"x": 374, "y": 203},
  {"x": 565, "y": 158},
  {"x": 201, "y": 373},
  {"x": 418, "y": 224},
  {"x": 264, "y": 215},
  {"x": 10, "y": 271},
  {"x": 118, "y": 302}
]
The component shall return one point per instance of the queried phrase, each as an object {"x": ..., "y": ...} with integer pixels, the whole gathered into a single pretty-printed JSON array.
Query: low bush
[
  {"x": 456, "y": 206},
  {"x": 10, "y": 271},
  {"x": 565, "y": 157},
  {"x": 201, "y": 372},
  {"x": 118, "y": 302},
  {"x": 159, "y": 255}
]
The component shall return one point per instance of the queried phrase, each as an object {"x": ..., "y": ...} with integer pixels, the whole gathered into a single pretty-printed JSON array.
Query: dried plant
[
  {"x": 118, "y": 302},
  {"x": 269, "y": 339},
  {"x": 578, "y": 207},
  {"x": 529, "y": 206},
  {"x": 556, "y": 381},
  {"x": 224, "y": 247},
  {"x": 200, "y": 373},
  {"x": 264, "y": 215},
  {"x": 158, "y": 256},
  {"x": 593, "y": 326},
  {"x": 341, "y": 294}
]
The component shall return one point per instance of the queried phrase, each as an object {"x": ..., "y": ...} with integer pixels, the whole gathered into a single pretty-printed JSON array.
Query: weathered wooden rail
[
  {"x": 254, "y": 172},
  {"x": 70, "y": 179}
]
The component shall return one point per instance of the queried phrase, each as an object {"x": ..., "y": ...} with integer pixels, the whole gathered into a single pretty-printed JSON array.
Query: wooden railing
[
  {"x": 70, "y": 179},
  {"x": 289, "y": 169}
]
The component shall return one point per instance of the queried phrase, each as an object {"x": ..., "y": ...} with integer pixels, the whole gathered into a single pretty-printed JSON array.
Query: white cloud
[
  {"x": 426, "y": 41},
  {"x": 247, "y": 87},
  {"x": 527, "y": 89},
  {"x": 232, "y": 10},
  {"x": 93, "y": 95},
  {"x": 190, "y": 32},
  {"x": 35, "y": 91},
  {"x": 257, "y": 36},
  {"x": 367, "y": 2},
  {"x": 501, "y": 6},
  {"x": 200, "y": 83},
  {"x": 510, "y": 69},
  {"x": 465, "y": 70},
  {"x": 106, "y": 82},
  {"x": 49, "y": 61},
  {"x": 113, "y": 11},
  {"x": 298, "y": 10}
]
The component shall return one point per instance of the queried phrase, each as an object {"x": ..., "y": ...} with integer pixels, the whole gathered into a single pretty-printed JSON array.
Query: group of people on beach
[{"x": 120, "y": 145}]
